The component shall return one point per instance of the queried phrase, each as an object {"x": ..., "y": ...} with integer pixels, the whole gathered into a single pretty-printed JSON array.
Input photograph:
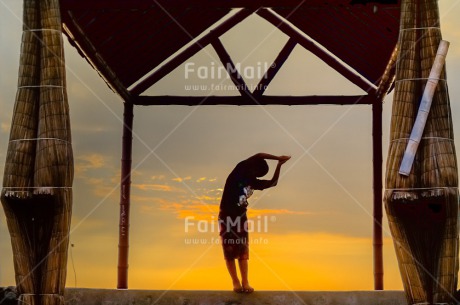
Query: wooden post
[
  {"x": 125, "y": 191},
  {"x": 377, "y": 186}
]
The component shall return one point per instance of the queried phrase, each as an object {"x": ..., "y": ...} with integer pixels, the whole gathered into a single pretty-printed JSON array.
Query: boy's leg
[
  {"x": 231, "y": 267},
  {"x": 243, "y": 263}
]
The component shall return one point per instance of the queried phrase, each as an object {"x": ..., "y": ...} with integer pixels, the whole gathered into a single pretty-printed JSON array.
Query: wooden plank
[
  {"x": 315, "y": 49},
  {"x": 145, "y": 4},
  {"x": 75, "y": 34},
  {"x": 201, "y": 43},
  {"x": 230, "y": 67},
  {"x": 275, "y": 67},
  {"x": 245, "y": 100},
  {"x": 388, "y": 76}
]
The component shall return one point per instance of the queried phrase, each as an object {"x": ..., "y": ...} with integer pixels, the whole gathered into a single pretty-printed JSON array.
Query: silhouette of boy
[{"x": 240, "y": 184}]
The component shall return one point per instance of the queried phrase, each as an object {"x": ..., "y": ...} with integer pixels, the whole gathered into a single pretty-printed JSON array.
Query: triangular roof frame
[
  {"x": 132, "y": 93},
  {"x": 257, "y": 97}
]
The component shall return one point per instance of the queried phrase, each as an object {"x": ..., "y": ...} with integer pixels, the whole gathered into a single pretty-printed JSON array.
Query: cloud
[
  {"x": 179, "y": 179},
  {"x": 194, "y": 208},
  {"x": 159, "y": 177},
  {"x": 203, "y": 208},
  {"x": 265, "y": 212},
  {"x": 157, "y": 187},
  {"x": 183, "y": 208},
  {"x": 98, "y": 172},
  {"x": 88, "y": 162},
  {"x": 208, "y": 198},
  {"x": 101, "y": 188},
  {"x": 201, "y": 179}
]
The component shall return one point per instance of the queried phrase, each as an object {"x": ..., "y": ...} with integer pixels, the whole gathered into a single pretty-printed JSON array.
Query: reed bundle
[
  {"x": 422, "y": 208},
  {"x": 37, "y": 194}
]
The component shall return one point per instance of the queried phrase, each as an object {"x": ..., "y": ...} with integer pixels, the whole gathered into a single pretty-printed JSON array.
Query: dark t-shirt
[{"x": 238, "y": 188}]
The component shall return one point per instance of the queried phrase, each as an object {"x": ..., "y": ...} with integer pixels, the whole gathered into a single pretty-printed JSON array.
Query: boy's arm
[
  {"x": 274, "y": 181},
  {"x": 271, "y": 157}
]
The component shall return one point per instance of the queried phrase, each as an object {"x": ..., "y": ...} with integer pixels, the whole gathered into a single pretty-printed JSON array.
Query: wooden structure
[
  {"x": 422, "y": 207},
  {"x": 357, "y": 38},
  {"x": 133, "y": 44}
]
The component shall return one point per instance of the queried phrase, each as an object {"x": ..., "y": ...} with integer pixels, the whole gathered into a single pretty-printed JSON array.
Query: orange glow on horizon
[{"x": 277, "y": 262}]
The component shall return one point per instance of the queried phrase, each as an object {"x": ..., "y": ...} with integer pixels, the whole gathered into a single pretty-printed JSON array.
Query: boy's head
[{"x": 259, "y": 167}]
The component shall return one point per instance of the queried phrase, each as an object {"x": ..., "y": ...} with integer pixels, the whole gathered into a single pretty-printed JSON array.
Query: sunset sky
[{"x": 319, "y": 217}]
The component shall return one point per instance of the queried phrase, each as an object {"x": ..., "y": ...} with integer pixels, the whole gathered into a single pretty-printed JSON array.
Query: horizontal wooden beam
[
  {"x": 254, "y": 101},
  {"x": 311, "y": 46},
  {"x": 180, "y": 58},
  {"x": 146, "y": 4}
]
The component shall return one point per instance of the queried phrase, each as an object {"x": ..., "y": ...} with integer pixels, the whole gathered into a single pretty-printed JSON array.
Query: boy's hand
[{"x": 283, "y": 159}]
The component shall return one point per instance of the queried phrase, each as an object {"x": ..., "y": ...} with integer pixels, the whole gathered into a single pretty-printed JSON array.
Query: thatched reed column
[
  {"x": 37, "y": 184},
  {"x": 422, "y": 208}
]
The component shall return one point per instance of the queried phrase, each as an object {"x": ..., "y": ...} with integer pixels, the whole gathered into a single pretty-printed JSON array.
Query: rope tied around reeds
[
  {"x": 40, "y": 139},
  {"x": 436, "y": 28},
  {"x": 423, "y": 138},
  {"x": 42, "y": 30},
  {"x": 29, "y": 294},
  {"x": 418, "y": 79},
  {"x": 41, "y": 86}
]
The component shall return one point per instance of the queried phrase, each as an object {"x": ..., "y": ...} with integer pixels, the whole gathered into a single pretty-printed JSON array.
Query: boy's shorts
[{"x": 234, "y": 238}]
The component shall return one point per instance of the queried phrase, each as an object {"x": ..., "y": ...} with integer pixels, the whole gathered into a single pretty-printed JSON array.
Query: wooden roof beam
[
  {"x": 251, "y": 100},
  {"x": 275, "y": 67},
  {"x": 78, "y": 39},
  {"x": 311, "y": 46},
  {"x": 230, "y": 67},
  {"x": 180, "y": 58},
  {"x": 146, "y": 4},
  {"x": 388, "y": 77}
]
